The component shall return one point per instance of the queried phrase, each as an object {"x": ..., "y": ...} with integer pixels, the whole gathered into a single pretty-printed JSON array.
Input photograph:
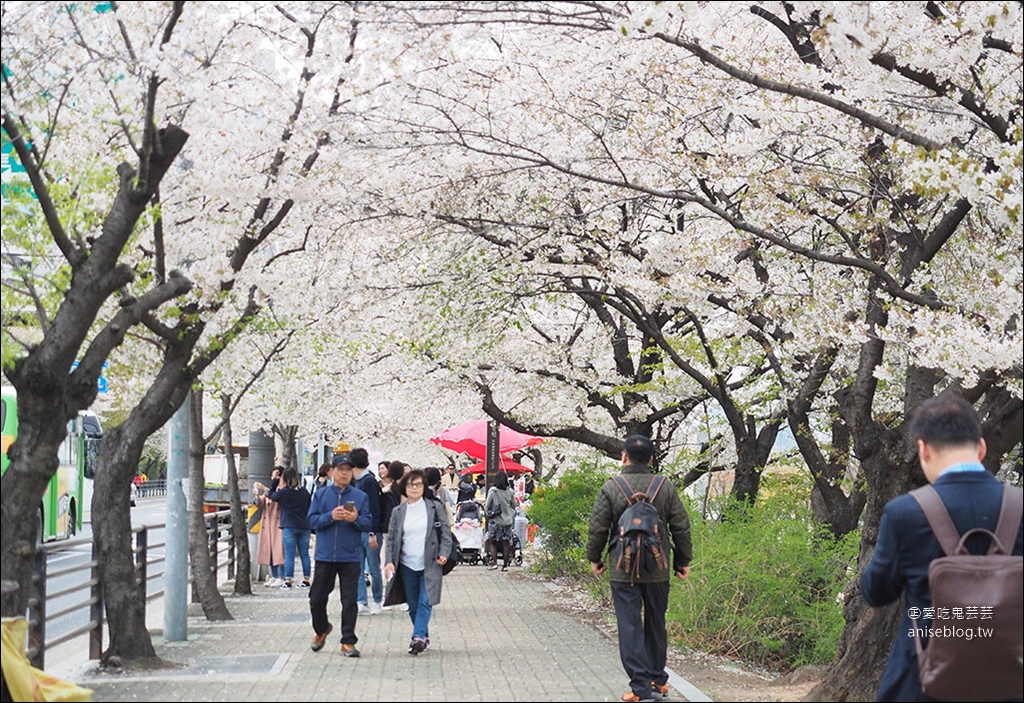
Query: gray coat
[{"x": 437, "y": 521}]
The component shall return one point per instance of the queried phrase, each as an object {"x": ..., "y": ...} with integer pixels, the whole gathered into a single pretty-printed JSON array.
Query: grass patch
[{"x": 766, "y": 581}]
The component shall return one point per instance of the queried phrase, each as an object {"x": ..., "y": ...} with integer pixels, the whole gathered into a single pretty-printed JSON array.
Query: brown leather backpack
[{"x": 975, "y": 646}]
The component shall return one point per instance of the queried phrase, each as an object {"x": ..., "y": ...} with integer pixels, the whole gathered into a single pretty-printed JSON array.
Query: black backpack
[{"x": 640, "y": 546}]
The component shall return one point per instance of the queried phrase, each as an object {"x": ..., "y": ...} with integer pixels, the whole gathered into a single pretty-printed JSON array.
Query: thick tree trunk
[
  {"x": 239, "y": 518},
  {"x": 869, "y": 633},
  {"x": 751, "y": 456},
  {"x": 123, "y": 594},
  {"x": 204, "y": 570},
  {"x": 119, "y": 458},
  {"x": 33, "y": 461},
  {"x": 285, "y": 436},
  {"x": 838, "y": 512}
]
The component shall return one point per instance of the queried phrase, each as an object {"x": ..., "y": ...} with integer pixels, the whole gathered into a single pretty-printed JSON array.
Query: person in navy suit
[{"x": 950, "y": 447}]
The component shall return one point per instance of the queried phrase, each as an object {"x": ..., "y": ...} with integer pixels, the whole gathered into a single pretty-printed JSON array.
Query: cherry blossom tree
[
  {"x": 856, "y": 167},
  {"x": 587, "y": 219},
  {"x": 213, "y": 215}
]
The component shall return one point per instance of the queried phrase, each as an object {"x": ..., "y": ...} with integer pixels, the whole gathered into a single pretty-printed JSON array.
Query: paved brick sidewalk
[{"x": 494, "y": 637}]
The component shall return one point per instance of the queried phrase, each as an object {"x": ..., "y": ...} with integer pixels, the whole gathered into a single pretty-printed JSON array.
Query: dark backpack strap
[
  {"x": 1009, "y": 519},
  {"x": 654, "y": 487},
  {"x": 938, "y": 518},
  {"x": 624, "y": 487}
]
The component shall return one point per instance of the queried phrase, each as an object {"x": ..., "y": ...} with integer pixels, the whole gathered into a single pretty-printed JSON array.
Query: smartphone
[{"x": 350, "y": 505}]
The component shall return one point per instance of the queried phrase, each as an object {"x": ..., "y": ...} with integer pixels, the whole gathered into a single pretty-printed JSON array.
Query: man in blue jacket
[
  {"x": 339, "y": 513},
  {"x": 950, "y": 447}
]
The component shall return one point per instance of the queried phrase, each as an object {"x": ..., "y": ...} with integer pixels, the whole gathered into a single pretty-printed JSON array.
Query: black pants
[
  {"x": 643, "y": 643},
  {"x": 348, "y": 574}
]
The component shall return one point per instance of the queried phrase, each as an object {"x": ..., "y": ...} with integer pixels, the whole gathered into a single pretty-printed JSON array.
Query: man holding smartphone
[{"x": 339, "y": 513}]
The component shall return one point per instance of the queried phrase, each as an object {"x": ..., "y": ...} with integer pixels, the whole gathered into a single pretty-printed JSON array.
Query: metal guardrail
[
  {"x": 150, "y": 489},
  {"x": 222, "y": 553}
]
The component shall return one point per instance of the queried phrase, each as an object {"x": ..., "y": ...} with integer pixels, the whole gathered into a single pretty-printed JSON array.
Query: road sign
[{"x": 101, "y": 381}]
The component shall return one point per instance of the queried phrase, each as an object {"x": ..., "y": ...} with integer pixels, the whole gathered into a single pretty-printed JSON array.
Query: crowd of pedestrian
[
  {"x": 382, "y": 538},
  {"x": 639, "y": 534}
]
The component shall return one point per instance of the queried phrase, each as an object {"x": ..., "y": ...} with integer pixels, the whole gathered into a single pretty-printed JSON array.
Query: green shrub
[
  {"x": 562, "y": 514},
  {"x": 766, "y": 582}
]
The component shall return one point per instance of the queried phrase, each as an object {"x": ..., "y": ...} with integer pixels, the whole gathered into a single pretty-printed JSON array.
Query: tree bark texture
[
  {"x": 239, "y": 518},
  {"x": 123, "y": 595},
  {"x": 204, "y": 569},
  {"x": 119, "y": 458}
]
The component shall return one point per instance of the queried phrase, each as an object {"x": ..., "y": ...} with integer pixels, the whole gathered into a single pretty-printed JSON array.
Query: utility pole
[{"x": 176, "y": 579}]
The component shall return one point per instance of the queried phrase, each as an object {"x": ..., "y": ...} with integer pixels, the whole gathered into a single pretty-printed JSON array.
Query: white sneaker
[
  {"x": 363, "y": 608},
  {"x": 276, "y": 583},
  {"x": 375, "y": 608}
]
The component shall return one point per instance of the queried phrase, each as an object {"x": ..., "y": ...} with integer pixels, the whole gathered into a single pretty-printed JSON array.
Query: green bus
[{"x": 60, "y": 512}]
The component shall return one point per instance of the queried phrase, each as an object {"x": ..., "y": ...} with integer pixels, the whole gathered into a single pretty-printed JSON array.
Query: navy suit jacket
[{"x": 906, "y": 546}]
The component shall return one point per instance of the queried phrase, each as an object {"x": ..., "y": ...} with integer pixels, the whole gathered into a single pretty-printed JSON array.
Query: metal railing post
[
  {"x": 211, "y": 537},
  {"x": 96, "y": 609},
  {"x": 142, "y": 559}
]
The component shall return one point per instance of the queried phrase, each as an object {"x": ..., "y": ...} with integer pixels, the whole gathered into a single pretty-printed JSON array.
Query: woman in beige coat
[{"x": 270, "y": 548}]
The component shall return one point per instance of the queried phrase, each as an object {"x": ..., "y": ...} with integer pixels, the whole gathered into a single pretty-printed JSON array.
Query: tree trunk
[
  {"x": 33, "y": 461},
  {"x": 838, "y": 512},
  {"x": 204, "y": 570},
  {"x": 891, "y": 470},
  {"x": 123, "y": 596},
  {"x": 239, "y": 518},
  {"x": 284, "y": 436},
  {"x": 119, "y": 458},
  {"x": 751, "y": 457}
]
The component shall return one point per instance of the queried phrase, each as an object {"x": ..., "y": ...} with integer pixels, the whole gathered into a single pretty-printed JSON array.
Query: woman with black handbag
[
  {"x": 500, "y": 510},
  {"x": 419, "y": 541}
]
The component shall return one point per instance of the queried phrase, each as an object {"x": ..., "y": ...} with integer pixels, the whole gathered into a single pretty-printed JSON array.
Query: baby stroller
[
  {"x": 469, "y": 532},
  {"x": 515, "y": 549}
]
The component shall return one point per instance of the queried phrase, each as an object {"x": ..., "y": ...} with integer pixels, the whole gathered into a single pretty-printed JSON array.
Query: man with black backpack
[
  {"x": 965, "y": 651},
  {"x": 633, "y": 515}
]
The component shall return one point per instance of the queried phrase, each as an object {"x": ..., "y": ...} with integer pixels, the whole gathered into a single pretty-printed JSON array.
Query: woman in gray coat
[
  {"x": 500, "y": 499},
  {"x": 419, "y": 540}
]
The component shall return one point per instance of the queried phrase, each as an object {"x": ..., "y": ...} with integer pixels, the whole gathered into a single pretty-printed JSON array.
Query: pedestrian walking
[
  {"x": 419, "y": 540},
  {"x": 643, "y": 639},
  {"x": 372, "y": 540},
  {"x": 339, "y": 513}
]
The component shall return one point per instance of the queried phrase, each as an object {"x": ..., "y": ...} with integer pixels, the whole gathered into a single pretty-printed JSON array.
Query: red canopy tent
[
  {"x": 505, "y": 464},
  {"x": 471, "y": 438}
]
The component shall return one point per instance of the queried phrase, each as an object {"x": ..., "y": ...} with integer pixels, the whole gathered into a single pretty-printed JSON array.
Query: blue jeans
[
  {"x": 416, "y": 596},
  {"x": 371, "y": 562},
  {"x": 276, "y": 571},
  {"x": 295, "y": 539}
]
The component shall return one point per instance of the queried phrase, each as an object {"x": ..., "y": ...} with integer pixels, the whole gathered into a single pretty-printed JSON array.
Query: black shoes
[{"x": 417, "y": 645}]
